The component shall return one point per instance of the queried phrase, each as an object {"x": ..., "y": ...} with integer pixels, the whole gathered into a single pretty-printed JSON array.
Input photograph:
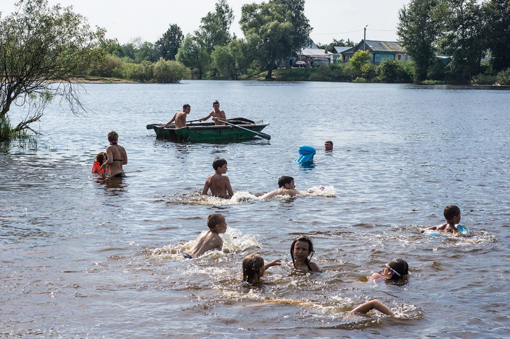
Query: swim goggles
[{"x": 388, "y": 266}]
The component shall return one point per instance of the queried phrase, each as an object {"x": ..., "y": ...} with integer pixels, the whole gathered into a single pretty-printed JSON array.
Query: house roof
[
  {"x": 315, "y": 52},
  {"x": 378, "y": 46},
  {"x": 339, "y": 49}
]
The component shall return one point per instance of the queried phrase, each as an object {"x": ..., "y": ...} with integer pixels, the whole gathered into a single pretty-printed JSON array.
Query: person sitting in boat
[
  {"x": 116, "y": 156},
  {"x": 179, "y": 117},
  {"x": 216, "y": 114},
  {"x": 209, "y": 240},
  {"x": 452, "y": 216},
  {"x": 100, "y": 159},
  {"x": 218, "y": 183}
]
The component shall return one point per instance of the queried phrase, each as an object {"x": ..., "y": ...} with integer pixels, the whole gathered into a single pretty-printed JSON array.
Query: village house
[{"x": 379, "y": 50}]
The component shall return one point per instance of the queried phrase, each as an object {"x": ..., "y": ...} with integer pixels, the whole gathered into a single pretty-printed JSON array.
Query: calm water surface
[{"x": 85, "y": 257}]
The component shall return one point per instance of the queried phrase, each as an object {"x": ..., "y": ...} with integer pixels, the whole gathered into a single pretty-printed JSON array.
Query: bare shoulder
[{"x": 314, "y": 267}]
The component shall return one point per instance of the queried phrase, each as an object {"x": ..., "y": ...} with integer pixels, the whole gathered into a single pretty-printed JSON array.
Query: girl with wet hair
[
  {"x": 100, "y": 159},
  {"x": 254, "y": 268},
  {"x": 300, "y": 250},
  {"x": 396, "y": 269}
]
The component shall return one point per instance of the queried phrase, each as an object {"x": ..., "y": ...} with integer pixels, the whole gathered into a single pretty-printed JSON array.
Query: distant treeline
[{"x": 472, "y": 39}]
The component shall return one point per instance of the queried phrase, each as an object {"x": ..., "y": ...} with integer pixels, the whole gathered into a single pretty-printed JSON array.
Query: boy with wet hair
[
  {"x": 287, "y": 187},
  {"x": 218, "y": 183},
  {"x": 209, "y": 240},
  {"x": 452, "y": 216}
]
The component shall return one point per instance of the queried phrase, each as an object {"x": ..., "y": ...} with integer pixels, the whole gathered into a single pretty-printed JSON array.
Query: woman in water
[
  {"x": 301, "y": 248},
  {"x": 116, "y": 156}
]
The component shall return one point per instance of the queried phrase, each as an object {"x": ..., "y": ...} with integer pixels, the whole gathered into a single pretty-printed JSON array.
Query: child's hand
[{"x": 275, "y": 262}]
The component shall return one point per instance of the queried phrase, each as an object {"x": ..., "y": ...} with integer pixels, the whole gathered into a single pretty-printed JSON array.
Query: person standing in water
[
  {"x": 216, "y": 114},
  {"x": 116, "y": 156}
]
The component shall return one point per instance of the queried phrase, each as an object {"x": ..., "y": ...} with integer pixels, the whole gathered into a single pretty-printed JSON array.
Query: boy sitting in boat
[
  {"x": 286, "y": 187},
  {"x": 216, "y": 114},
  {"x": 209, "y": 240},
  {"x": 218, "y": 183},
  {"x": 180, "y": 117},
  {"x": 452, "y": 216}
]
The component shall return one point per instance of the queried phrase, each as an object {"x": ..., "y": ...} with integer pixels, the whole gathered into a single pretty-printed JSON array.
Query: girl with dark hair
[
  {"x": 254, "y": 268},
  {"x": 394, "y": 270},
  {"x": 301, "y": 248}
]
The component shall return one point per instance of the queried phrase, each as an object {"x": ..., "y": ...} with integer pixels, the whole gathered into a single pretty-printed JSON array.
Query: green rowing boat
[{"x": 235, "y": 130}]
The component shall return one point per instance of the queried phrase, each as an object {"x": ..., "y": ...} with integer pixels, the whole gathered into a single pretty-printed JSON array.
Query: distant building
[
  {"x": 337, "y": 54},
  {"x": 379, "y": 51},
  {"x": 309, "y": 54}
]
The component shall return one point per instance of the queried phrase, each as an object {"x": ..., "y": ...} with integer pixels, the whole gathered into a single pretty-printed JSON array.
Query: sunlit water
[{"x": 85, "y": 257}]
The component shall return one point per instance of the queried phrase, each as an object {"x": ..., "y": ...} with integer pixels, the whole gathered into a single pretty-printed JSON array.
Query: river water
[{"x": 86, "y": 257}]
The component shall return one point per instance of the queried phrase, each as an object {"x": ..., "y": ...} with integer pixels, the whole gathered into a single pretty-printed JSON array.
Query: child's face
[
  {"x": 223, "y": 169},
  {"x": 301, "y": 250},
  {"x": 222, "y": 226},
  {"x": 290, "y": 186}
]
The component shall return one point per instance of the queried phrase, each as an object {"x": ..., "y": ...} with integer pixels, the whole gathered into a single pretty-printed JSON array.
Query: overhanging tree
[{"x": 41, "y": 48}]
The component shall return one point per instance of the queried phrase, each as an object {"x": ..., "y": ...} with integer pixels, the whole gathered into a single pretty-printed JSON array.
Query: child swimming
[
  {"x": 301, "y": 248},
  {"x": 452, "y": 216},
  {"x": 254, "y": 268},
  {"x": 395, "y": 270},
  {"x": 209, "y": 240},
  {"x": 100, "y": 159}
]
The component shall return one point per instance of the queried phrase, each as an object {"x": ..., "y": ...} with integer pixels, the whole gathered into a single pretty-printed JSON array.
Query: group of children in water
[{"x": 301, "y": 249}]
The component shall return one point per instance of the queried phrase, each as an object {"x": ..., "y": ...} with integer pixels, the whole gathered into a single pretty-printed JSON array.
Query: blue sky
[{"x": 149, "y": 19}]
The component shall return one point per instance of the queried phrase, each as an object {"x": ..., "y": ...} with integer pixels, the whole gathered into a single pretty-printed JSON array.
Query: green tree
[
  {"x": 359, "y": 59},
  {"x": 193, "y": 55},
  {"x": 224, "y": 61},
  {"x": 240, "y": 51},
  {"x": 215, "y": 26},
  {"x": 169, "y": 44},
  {"x": 463, "y": 36},
  {"x": 39, "y": 45},
  {"x": 147, "y": 51},
  {"x": 169, "y": 71},
  {"x": 269, "y": 32},
  {"x": 341, "y": 43},
  {"x": 499, "y": 33},
  {"x": 418, "y": 31},
  {"x": 295, "y": 11}
]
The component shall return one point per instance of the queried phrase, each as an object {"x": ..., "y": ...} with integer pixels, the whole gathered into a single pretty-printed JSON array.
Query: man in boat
[
  {"x": 218, "y": 183},
  {"x": 216, "y": 114},
  {"x": 180, "y": 117}
]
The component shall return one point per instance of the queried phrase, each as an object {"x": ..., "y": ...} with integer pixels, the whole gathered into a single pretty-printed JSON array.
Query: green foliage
[
  {"x": 215, "y": 27},
  {"x": 193, "y": 55},
  {"x": 224, "y": 61},
  {"x": 503, "y": 77},
  {"x": 360, "y": 80},
  {"x": 498, "y": 33},
  {"x": 341, "y": 43},
  {"x": 418, "y": 30},
  {"x": 359, "y": 59},
  {"x": 270, "y": 32},
  {"x": 484, "y": 79},
  {"x": 169, "y": 71},
  {"x": 169, "y": 44},
  {"x": 395, "y": 71},
  {"x": 40, "y": 44}
]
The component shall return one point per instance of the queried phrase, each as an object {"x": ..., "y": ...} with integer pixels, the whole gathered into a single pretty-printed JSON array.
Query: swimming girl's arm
[
  {"x": 266, "y": 266},
  {"x": 370, "y": 305},
  {"x": 375, "y": 276}
]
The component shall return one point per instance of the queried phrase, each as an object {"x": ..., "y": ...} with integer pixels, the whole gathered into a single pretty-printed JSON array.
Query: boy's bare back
[
  {"x": 219, "y": 186},
  {"x": 206, "y": 241}
]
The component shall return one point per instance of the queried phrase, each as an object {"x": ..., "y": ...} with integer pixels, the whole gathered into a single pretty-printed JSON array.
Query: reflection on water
[{"x": 85, "y": 256}]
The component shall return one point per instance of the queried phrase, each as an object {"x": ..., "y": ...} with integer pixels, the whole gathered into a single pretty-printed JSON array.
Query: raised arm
[{"x": 266, "y": 266}]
